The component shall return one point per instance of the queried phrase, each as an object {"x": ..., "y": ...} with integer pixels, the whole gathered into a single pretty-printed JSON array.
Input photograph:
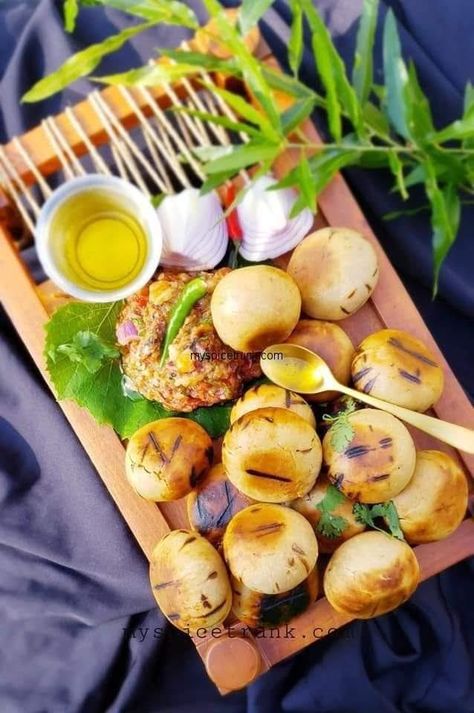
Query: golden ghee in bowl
[{"x": 99, "y": 238}]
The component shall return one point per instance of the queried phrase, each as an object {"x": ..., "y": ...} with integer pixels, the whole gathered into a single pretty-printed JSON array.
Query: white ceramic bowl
[{"x": 143, "y": 211}]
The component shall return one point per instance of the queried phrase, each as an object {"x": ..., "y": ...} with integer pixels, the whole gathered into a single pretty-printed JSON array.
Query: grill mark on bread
[
  {"x": 173, "y": 617},
  {"x": 346, "y": 311},
  {"x": 270, "y": 476},
  {"x": 205, "y": 602},
  {"x": 164, "y": 585},
  {"x": 421, "y": 357},
  {"x": 216, "y": 609},
  {"x": 369, "y": 385},
  {"x": 382, "y": 476},
  {"x": 357, "y": 451},
  {"x": 212, "y": 575},
  {"x": 269, "y": 529},
  {"x": 385, "y": 442},
  {"x": 230, "y": 500},
  {"x": 188, "y": 541},
  {"x": 296, "y": 548},
  {"x": 158, "y": 448},
  {"x": 360, "y": 374},
  {"x": 176, "y": 445},
  {"x": 409, "y": 377}
]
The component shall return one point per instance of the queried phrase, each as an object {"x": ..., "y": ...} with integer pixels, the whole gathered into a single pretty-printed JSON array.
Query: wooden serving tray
[{"x": 232, "y": 655}]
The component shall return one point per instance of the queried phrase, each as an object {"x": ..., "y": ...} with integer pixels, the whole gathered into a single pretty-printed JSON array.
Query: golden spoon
[{"x": 301, "y": 370}]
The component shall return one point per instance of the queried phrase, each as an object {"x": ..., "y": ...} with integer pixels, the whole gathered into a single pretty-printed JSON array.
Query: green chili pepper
[{"x": 191, "y": 293}]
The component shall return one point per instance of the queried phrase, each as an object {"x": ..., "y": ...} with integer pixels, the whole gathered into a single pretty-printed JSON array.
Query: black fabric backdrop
[{"x": 79, "y": 629}]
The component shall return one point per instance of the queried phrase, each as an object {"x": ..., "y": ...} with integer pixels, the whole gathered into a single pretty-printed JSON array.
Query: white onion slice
[
  {"x": 267, "y": 229},
  {"x": 194, "y": 230}
]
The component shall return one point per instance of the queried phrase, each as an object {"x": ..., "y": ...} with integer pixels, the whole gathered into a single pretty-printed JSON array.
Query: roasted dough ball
[
  {"x": 265, "y": 395},
  {"x": 262, "y": 610},
  {"x": 371, "y": 574},
  {"x": 332, "y": 344},
  {"x": 377, "y": 463},
  {"x": 213, "y": 503},
  {"x": 272, "y": 455},
  {"x": 307, "y": 506},
  {"x": 190, "y": 581},
  {"x": 434, "y": 502},
  {"x": 394, "y": 366},
  {"x": 270, "y": 548},
  {"x": 336, "y": 271},
  {"x": 166, "y": 459},
  {"x": 254, "y": 307}
]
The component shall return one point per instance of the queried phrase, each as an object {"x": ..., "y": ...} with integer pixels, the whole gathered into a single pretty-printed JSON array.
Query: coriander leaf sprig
[
  {"x": 331, "y": 525},
  {"x": 367, "y": 515},
  {"x": 342, "y": 431},
  {"x": 370, "y": 125}
]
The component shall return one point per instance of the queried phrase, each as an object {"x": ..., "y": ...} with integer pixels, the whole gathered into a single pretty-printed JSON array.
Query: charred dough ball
[
  {"x": 270, "y": 548},
  {"x": 265, "y": 395},
  {"x": 332, "y": 344},
  {"x": 377, "y": 463},
  {"x": 396, "y": 367},
  {"x": 272, "y": 455},
  {"x": 213, "y": 503},
  {"x": 336, "y": 270},
  {"x": 254, "y": 307},
  {"x": 166, "y": 459},
  {"x": 371, "y": 574},
  {"x": 308, "y": 507},
  {"x": 434, "y": 502},
  {"x": 190, "y": 581},
  {"x": 263, "y": 610}
]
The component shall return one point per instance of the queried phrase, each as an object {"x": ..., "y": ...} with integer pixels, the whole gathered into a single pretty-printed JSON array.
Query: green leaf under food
[
  {"x": 88, "y": 349},
  {"x": 100, "y": 390},
  {"x": 251, "y": 11},
  {"x": 362, "y": 72},
  {"x": 218, "y": 119},
  {"x": 81, "y": 64},
  {"x": 295, "y": 43}
]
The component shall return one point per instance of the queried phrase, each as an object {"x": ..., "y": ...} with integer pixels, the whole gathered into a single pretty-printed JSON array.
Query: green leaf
[
  {"x": 246, "y": 110},
  {"x": 460, "y": 129},
  {"x": 240, "y": 156},
  {"x": 415, "y": 176},
  {"x": 296, "y": 114},
  {"x": 324, "y": 165},
  {"x": 306, "y": 185},
  {"x": 396, "y": 76},
  {"x": 288, "y": 85},
  {"x": 80, "y": 64},
  {"x": 396, "y": 167},
  {"x": 100, "y": 391},
  {"x": 445, "y": 217},
  {"x": 375, "y": 119},
  {"x": 331, "y": 525},
  {"x": 150, "y": 75},
  {"x": 341, "y": 430},
  {"x": 419, "y": 119},
  {"x": 362, "y": 73},
  {"x": 217, "y": 119},
  {"x": 295, "y": 43},
  {"x": 71, "y": 11},
  {"x": 250, "y": 66},
  {"x": 250, "y": 13},
  {"x": 170, "y": 12},
  {"x": 331, "y": 68},
  {"x": 87, "y": 349},
  {"x": 367, "y": 514}
]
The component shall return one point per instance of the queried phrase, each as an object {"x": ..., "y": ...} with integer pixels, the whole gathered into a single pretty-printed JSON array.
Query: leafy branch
[{"x": 372, "y": 126}]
